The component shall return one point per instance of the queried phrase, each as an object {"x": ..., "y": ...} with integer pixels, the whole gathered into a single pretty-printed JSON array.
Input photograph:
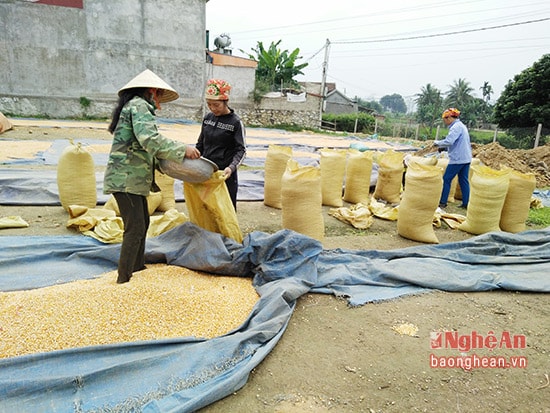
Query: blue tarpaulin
[{"x": 183, "y": 375}]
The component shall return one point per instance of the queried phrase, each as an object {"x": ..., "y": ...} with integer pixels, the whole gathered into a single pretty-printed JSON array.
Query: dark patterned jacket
[{"x": 136, "y": 145}]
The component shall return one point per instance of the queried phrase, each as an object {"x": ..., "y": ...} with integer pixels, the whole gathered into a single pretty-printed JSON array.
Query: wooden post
[
  {"x": 537, "y": 136},
  {"x": 495, "y": 135},
  {"x": 417, "y": 131},
  {"x": 437, "y": 132}
]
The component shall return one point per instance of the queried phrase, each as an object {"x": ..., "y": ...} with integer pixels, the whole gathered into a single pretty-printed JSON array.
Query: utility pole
[{"x": 323, "y": 82}]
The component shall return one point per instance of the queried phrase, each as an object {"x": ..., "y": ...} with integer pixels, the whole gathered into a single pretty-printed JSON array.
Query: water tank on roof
[{"x": 222, "y": 43}]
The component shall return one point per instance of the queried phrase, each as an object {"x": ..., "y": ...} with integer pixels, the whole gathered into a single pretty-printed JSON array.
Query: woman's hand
[
  {"x": 227, "y": 172},
  {"x": 192, "y": 153}
]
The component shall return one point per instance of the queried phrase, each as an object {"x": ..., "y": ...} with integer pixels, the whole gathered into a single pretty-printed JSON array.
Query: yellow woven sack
[
  {"x": 419, "y": 202},
  {"x": 275, "y": 164},
  {"x": 390, "y": 177},
  {"x": 442, "y": 163},
  {"x": 488, "y": 190},
  {"x": 333, "y": 170},
  {"x": 458, "y": 191},
  {"x": 76, "y": 177},
  {"x": 518, "y": 201},
  {"x": 166, "y": 185},
  {"x": 209, "y": 206},
  {"x": 357, "y": 177},
  {"x": 429, "y": 160},
  {"x": 153, "y": 201},
  {"x": 302, "y": 201}
]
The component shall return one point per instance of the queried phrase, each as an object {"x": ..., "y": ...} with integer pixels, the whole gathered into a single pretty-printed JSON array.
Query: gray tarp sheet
[
  {"x": 183, "y": 375},
  {"x": 29, "y": 187}
]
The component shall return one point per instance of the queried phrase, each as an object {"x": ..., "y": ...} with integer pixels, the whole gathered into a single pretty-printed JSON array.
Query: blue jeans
[{"x": 452, "y": 170}]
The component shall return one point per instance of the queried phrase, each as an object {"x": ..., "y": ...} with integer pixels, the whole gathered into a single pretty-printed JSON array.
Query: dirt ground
[{"x": 341, "y": 359}]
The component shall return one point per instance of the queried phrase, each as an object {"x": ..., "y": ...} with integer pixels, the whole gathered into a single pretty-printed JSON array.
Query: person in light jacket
[
  {"x": 130, "y": 172},
  {"x": 457, "y": 142}
]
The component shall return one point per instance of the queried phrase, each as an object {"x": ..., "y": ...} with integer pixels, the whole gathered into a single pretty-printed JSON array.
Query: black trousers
[
  {"x": 232, "y": 184},
  {"x": 135, "y": 216}
]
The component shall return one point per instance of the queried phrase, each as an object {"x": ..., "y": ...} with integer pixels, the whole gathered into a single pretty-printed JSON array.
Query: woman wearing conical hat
[{"x": 130, "y": 171}]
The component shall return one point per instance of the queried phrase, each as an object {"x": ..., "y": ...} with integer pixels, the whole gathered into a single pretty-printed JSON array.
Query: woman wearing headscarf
[
  {"x": 130, "y": 172},
  {"x": 459, "y": 148},
  {"x": 222, "y": 137}
]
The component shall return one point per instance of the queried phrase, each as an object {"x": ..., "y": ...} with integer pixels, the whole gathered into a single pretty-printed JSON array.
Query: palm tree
[
  {"x": 486, "y": 109},
  {"x": 486, "y": 91},
  {"x": 429, "y": 106},
  {"x": 459, "y": 94}
]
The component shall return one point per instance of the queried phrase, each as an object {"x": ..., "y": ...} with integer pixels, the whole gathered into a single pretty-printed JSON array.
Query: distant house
[{"x": 337, "y": 103}]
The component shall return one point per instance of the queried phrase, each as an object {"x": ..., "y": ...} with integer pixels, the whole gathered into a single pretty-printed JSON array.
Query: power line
[{"x": 442, "y": 34}]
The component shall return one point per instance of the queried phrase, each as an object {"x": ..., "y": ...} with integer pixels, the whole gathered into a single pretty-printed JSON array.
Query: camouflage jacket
[{"x": 136, "y": 145}]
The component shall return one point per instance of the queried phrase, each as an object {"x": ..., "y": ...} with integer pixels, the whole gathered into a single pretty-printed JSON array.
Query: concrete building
[{"x": 69, "y": 58}]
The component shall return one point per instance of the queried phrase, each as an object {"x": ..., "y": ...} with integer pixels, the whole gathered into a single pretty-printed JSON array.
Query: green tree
[
  {"x": 459, "y": 95},
  {"x": 394, "y": 103},
  {"x": 525, "y": 101},
  {"x": 429, "y": 106},
  {"x": 276, "y": 68},
  {"x": 372, "y": 104},
  {"x": 486, "y": 91},
  {"x": 485, "y": 110}
]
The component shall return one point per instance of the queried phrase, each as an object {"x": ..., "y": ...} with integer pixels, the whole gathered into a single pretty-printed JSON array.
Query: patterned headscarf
[
  {"x": 217, "y": 89},
  {"x": 453, "y": 112}
]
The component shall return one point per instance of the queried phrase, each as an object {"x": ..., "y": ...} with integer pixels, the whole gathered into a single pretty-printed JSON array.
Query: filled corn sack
[
  {"x": 76, "y": 177},
  {"x": 166, "y": 185},
  {"x": 153, "y": 201},
  {"x": 209, "y": 206},
  {"x": 424, "y": 160},
  {"x": 390, "y": 177},
  {"x": 419, "y": 202},
  {"x": 275, "y": 164},
  {"x": 333, "y": 170},
  {"x": 488, "y": 190},
  {"x": 517, "y": 202},
  {"x": 458, "y": 190},
  {"x": 442, "y": 163},
  {"x": 357, "y": 177},
  {"x": 302, "y": 200}
]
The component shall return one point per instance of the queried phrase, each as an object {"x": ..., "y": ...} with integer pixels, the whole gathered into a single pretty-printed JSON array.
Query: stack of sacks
[
  {"x": 153, "y": 201},
  {"x": 517, "y": 202},
  {"x": 76, "y": 177},
  {"x": 302, "y": 200},
  {"x": 458, "y": 192},
  {"x": 333, "y": 170},
  {"x": 166, "y": 185},
  {"x": 488, "y": 188},
  {"x": 420, "y": 199},
  {"x": 390, "y": 177},
  {"x": 357, "y": 177},
  {"x": 275, "y": 166},
  {"x": 442, "y": 162}
]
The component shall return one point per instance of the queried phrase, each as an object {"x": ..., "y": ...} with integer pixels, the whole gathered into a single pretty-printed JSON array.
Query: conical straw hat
[{"x": 149, "y": 79}]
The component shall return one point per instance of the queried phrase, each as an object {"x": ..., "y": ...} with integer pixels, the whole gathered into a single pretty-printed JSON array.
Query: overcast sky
[{"x": 378, "y": 48}]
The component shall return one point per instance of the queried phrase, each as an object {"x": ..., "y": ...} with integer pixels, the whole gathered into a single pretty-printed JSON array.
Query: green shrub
[
  {"x": 346, "y": 122},
  {"x": 539, "y": 217}
]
